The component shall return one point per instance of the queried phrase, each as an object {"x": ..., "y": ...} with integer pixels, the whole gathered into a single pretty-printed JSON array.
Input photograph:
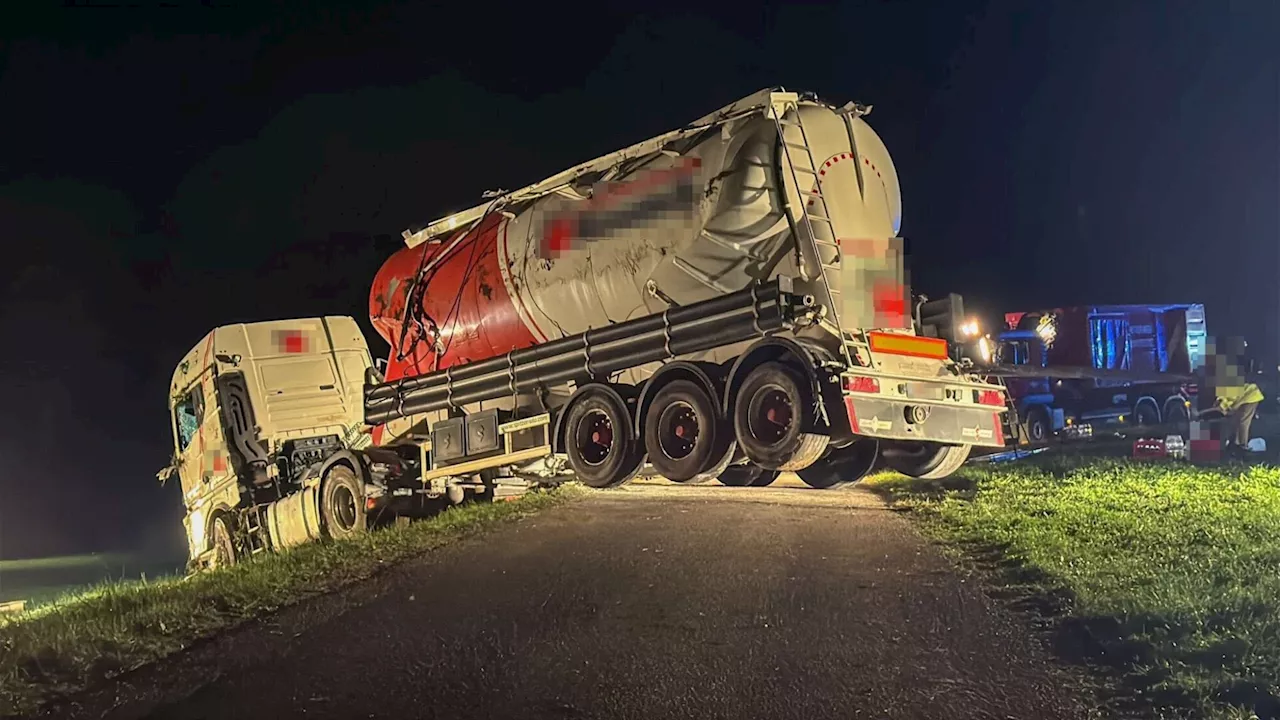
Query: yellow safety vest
[{"x": 1232, "y": 397}]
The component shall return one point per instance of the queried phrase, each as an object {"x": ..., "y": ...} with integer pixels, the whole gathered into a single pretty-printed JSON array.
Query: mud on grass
[
  {"x": 1164, "y": 575},
  {"x": 68, "y": 645}
]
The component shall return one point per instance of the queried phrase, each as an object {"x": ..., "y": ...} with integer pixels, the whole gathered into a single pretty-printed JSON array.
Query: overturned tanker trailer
[{"x": 724, "y": 300}]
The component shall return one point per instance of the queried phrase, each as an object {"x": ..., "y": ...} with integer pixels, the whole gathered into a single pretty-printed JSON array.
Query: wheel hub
[
  {"x": 772, "y": 415},
  {"x": 596, "y": 438},
  {"x": 678, "y": 430},
  {"x": 344, "y": 505}
]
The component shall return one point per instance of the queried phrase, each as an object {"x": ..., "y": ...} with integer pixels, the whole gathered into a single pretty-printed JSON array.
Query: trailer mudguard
[
  {"x": 626, "y": 394},
  {"x": 806, "y": 357},
  {"x": 709, "y": 376}
]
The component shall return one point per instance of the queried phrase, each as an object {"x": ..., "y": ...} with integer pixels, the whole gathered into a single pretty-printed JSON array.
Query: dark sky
[{"x": 168, "y": 169}]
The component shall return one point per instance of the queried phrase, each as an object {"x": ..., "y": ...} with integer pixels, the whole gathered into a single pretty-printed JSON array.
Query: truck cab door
[{"x": 201, "y": 457}]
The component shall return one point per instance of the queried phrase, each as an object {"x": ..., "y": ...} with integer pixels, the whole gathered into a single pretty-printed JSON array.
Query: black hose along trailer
[{"x": 744, "y": 420}]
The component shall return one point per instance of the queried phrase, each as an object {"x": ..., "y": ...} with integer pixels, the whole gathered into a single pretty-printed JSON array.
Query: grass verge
[
  {"x": 1165, "y": 575},
  {"x": 67, "y": 645}
]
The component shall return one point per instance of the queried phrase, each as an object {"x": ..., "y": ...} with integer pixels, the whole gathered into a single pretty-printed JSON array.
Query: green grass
[
  {"x": 1161, "y": 574},
  {"x": 65, "y": 646}
]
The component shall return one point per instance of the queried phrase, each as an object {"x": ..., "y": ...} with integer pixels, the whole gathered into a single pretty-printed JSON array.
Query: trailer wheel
[
  {"x": 843, "y": 466},
  {"x": 342, "y": 503},
  {"x": 682, "y": 431},
  {"x": 602, "y": 451},
  {"x": 768, "y": 415},
  {"x": 747, "y": 476},
  {"x": 927, "y": 461},
  {"x": 224, "y": 545}
]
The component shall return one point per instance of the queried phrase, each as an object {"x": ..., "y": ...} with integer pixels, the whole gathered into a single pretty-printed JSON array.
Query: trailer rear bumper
[{"x": 978, "y": 425}]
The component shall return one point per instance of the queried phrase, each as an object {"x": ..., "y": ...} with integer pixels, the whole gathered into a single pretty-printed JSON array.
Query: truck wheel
[
  {"x": 224, "y": 545},
  {"x": 768, "y": 414},
  {"x": 747, "y": 476},
  {"x": 1037, "y": 426},
  {"x": 682, "y": 431},
  {"x": 928, "y": 461},
  {"x": 342, "y": 503},
  {"x": 1146, "y": 414},
  {"x": 1175, "y": 412},
  {"x": 602, "y": 451},
  {"x": 843, "y": 466}
]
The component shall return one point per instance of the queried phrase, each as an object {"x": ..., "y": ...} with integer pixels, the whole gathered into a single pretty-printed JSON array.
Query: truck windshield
[{"x": 187, "y": 415}]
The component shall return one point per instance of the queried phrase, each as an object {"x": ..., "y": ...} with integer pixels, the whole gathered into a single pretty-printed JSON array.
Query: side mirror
[{"x": 170, "y": 470}]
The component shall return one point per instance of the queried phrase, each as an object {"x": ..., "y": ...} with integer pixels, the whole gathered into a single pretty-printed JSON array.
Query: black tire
[
  {"x": 765, "y": 478},
  {"x": 768, "y": 415},
  {"x": 747, "y": 476},
  {"x": 342, "y": 503},
  {"x": 601, "y": 448},
  {"x": 1036, "y": 427},
  {"x": 842, "y": 467},
  {"x": 930, "y": 461},
  {"x": 682, "y": 431},
  {"x": 223, "y": 542},
  {"x": 1176, "y": 413},
  {"x": 1146, "y": 414}
]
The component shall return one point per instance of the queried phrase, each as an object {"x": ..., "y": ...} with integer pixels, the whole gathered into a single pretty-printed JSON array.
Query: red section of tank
[{"x": 474, "y": 316}]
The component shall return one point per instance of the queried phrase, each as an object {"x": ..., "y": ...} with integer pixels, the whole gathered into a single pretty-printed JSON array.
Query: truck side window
[
  {"x": 187, "y": 414},
  {"x": 1015, "y": 353}
]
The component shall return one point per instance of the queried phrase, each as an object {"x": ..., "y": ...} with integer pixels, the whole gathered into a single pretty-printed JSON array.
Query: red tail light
[
  {"x": 862, "y": 384},
  {"x": 991, "y": 397}
]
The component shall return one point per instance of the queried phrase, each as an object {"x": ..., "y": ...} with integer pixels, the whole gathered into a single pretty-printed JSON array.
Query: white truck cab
[{"x": 269, "y": 439}]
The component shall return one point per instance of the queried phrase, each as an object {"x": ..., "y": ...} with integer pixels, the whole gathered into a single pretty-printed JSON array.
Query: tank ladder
[{"x": 785, "y": 111}]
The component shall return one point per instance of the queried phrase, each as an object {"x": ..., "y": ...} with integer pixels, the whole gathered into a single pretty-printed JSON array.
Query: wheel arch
[
  {"x": 1025, "y": 405},
  {"x": 353, "y": 460},
  {"x": 708, "y": 376},
  {"x": 802, "y": 357},
  {"x": 625, "y": 394},
  {"x": 221, "y": 510},
  {"x": 1179, "y": 401},
  {"x": 1155, "y": 404}
]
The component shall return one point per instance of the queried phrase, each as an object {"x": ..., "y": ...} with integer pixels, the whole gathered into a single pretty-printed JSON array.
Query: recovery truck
[
  {"x": 1074, "y": 370},
  {"x": 722, "y": 301}
]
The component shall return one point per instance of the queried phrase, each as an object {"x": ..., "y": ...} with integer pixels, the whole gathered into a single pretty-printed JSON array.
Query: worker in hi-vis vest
[{"x": 1238, "y": 399}]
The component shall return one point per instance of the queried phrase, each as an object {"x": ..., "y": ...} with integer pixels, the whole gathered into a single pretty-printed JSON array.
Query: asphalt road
[{"x": 655, "y": 601}]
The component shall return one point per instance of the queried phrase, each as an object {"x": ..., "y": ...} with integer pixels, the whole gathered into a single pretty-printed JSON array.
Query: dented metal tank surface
[{"x": 701, "y": 218}]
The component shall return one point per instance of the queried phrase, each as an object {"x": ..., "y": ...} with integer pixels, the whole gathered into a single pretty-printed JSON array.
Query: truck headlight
[{"x": 984, "y": 350}]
